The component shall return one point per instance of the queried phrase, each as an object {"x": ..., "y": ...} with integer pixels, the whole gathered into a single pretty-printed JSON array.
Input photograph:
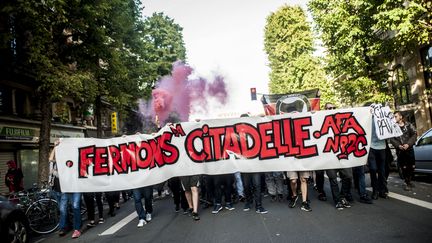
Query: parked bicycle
[{"x": 40, "y": 207}]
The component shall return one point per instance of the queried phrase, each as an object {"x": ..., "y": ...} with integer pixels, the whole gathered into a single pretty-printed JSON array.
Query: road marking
[
  {"x": 119, "y": 224},
  {"x": 407, "y": 199},
  {"x": 40, "y": 240}
]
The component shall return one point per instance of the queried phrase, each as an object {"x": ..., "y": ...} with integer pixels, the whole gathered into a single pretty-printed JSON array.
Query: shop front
[{"x": 19, "y": 142}]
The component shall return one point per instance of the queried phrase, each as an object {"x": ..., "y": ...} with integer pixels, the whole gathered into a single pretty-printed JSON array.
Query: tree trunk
[
  {"x": 98, "y": 111},
  {"x": 44, "y": 139}
]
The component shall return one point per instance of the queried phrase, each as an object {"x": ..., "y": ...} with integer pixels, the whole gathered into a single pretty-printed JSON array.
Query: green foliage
[
  {"x": 361, "y": 35},
  {"x": 40, "y": 45},
  {"x": 411, "y": 20},
  {"x": 162, "y": 45},
  {"x": 86, "y": 48},
  {"x": 289, "y": 46}
]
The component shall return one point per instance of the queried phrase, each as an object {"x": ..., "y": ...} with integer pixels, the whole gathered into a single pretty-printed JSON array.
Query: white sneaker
[
  {"x": 141, "y": 223},
  {"x": 148, "y": 217}
]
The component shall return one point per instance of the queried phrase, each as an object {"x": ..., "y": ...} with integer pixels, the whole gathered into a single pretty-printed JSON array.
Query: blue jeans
[
  {"x": 376, "y": 162},
  {"x": 75, "y": 200},
  {"x": 239, "y": 184},
  {"x": 360, "y": 176},
  {"x": 147, "y": 194},
  {"x": 56, "y": 196}
]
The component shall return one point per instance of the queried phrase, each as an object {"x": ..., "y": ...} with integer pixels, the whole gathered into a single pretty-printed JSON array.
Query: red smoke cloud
[{"x": 179, "y": 94}]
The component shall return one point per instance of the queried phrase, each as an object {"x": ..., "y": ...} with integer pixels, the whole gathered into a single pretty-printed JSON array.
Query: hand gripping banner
[{"x": 288, "y": 142}]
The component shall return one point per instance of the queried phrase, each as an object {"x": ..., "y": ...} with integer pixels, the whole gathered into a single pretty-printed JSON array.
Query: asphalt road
[{"x": 386, "y": 220}]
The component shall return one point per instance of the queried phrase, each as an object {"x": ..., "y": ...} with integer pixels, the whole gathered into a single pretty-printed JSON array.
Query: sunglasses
[{"x": 331, "y": 108}]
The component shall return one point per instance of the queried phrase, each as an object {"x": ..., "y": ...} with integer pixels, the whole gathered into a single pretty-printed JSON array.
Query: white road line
[
  {"x": 407, "y": 199},
  {"x": 40, "y": 240},
  {"x": 119, "y": 224}
]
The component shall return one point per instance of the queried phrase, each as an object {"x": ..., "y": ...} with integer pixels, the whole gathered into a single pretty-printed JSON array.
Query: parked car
[
  {"x": 13, "y": 222},
  {"x": 423, "y": 153}
]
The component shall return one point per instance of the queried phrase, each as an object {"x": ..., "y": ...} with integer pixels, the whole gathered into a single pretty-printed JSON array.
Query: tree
[
  {"x": 162, "y": 45},
  {"x": 38, "y": 32},
  {"x": 289, "y": 45},
  {"x": 351, "y": 31},
  {"x": 410, "y": 20},
  {"x": 89, "y": 50},
  {"x": 111, "y": 49}
]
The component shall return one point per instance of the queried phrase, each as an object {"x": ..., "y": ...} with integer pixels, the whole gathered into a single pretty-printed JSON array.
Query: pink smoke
[
  {"x": 218, "y": 90},
  {"x": 181, "y": 95}
]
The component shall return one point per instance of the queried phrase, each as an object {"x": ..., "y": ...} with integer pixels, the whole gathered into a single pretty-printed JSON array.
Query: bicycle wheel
[{"x": 43, "y": 216}]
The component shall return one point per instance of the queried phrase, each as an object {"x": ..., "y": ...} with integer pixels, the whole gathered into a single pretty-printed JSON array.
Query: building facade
[{"x": 410, "y": 79}]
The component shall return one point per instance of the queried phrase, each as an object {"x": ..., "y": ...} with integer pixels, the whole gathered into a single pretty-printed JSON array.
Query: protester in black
[
  {"x": 178, "y": 194},
  {"x": 404, "y": 148}
]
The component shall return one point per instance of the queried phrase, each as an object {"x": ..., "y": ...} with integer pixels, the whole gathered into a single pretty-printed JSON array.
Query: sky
[{"x": 225, "y": 37}]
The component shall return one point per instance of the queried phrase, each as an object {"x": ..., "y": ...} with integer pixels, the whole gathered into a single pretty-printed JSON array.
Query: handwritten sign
[{"x": 384, "y": 122}]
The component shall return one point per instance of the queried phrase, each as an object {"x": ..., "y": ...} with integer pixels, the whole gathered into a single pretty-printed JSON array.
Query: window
[
  {"x": 401, "y": 86},
  {"x": 5, "y": 101},
  {"x": 426, "y": 56},
  {"x": 426, "y": 139},
  {"x": 29, "y": 164}
]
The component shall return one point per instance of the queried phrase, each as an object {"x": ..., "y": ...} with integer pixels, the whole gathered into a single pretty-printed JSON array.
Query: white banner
[
  {"x": 289, "y": 142},
  {"x": 384, "y": 122}
]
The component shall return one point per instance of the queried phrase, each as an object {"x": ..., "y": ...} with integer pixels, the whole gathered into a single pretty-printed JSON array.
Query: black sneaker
[
  {"x": 322, "y": 197},
  {"x": 349, "y": 197},
  {"x": 91, "y": 224},
  {"x": 345, "y": 203},
  {"x": 383, "y": 195},
  {"x": 229, "y": 206},
  {"x": 280, "y": 197},
  {"x": 187, "y": 211},
  {"x": 177, "y": 208},
  {"x": 375, "y": 195},
  {"x": 365, "y": 199},
  {"x": 306, "y": 207},
  {"x": 217, "y": 208},
  {"x": 339, "y": 206},
  {"x": 246, "y": 207},
  {"x": 261, "y": 210},
  {"x": 273, "y": 198},
  {"x": 195, "y": 216},
  {"x": 293, "y": 202}
]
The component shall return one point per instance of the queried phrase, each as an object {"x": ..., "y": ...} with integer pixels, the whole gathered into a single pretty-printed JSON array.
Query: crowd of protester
[{"x": 223, "y": 192}]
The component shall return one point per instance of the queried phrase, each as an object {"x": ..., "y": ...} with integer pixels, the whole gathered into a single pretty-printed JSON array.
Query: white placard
[{"x": 384, "y": 122}]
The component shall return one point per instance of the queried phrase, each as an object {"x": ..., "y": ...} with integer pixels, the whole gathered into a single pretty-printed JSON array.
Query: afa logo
[{"x": 292, "y": 103}]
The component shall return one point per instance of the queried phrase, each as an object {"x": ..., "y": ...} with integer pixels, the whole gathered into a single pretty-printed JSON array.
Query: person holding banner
[
  {"x": 376, "y": 163},
  {"x": 138, "y": 194},
  {"x": 190, "y": 185},
  {"x": 53, "y": 177},
  {"x": 178, "y": 194},
  {"x": 66, "y": 198},
  {"x": 342, "y": 196},
  {"x": 252, "y": 189},
  {"x": 303, "y": 176},
  {"x": 226, "y": 182},
  {"x": 404, "y": 148},
  {"x": 274, "y": 182}
]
